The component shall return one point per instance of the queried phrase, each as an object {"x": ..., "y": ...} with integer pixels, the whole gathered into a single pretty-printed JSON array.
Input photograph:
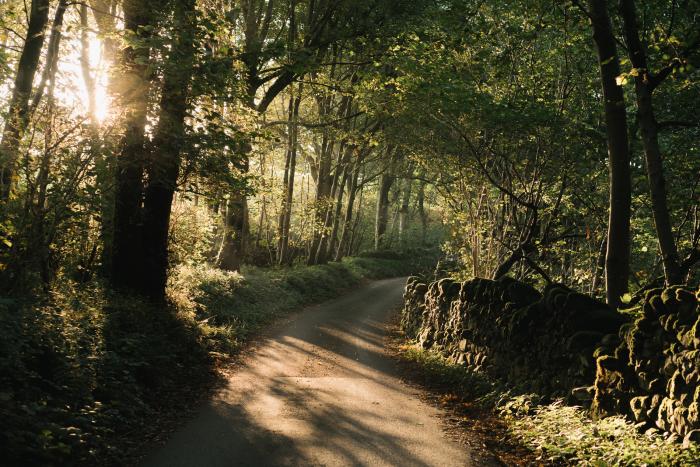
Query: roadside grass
[
  {"x": 227, "y": 306},
  {"x": 557, "y": 434},
  {"x": 89, "y": 377}
]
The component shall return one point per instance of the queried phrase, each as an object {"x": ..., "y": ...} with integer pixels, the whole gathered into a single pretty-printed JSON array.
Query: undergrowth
[
  {"x": 86, "y": 374},
  {"x": 559, "y": 434}
]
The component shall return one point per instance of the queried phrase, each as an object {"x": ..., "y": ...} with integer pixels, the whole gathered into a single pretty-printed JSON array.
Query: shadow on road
[{"x": 321, "y": 391}]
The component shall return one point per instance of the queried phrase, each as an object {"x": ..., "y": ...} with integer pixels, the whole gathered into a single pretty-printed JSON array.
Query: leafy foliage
[{"x": 86, "y": 372}]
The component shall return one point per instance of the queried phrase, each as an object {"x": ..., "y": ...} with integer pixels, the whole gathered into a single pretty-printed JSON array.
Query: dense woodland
[
  {"x": 553, "y": 141},
  {"x": 141, "y": 135}
]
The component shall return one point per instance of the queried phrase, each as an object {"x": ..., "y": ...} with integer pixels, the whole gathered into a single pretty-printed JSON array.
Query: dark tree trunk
[
  {"x": 347, "y": 222},
  {"x": 333, "y": 241},
  {"x": 599, "y": 266},
  {"x": 422, "y": 213},
  {"x": 356, "y": 236},
  {"x": 617, "y": 262},
  {"x": 132, "y": 93},
  {"x": 404, "y": 212},
  {"x": 334, "y": 205},
  {"x": 38, "y": 251},
  {"x": 233, "y": 243},
  {"x": 323, "y": 189},
  {"x": 382, "y": 217},
  {"x": 650, "y": 139},
  {"x": 164, "y": 163},
  {"x": 18, "y": 111},
  {"x": 48, "y": 76}
]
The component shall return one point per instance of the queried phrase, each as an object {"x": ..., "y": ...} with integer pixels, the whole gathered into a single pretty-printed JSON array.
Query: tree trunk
[
  {"x": 617, "y": 263},
  {"x": 18, "y": 112},
  {"x": 347, "y": 222},
  {"x": 650, "y": 140},
  {"x": 355, "y": 239},
  {"x": 333, "y": 240},
  {"x": 382, "y": 217},
  {"x": 599, "y": 269},
  {"x": 48, "y": 76},
  {"x": 104, "y": 12},
  {"x": 132, "y": 92},
  {"x": 233, "y": 244},
  {"x": 404, "y": 212},
  {"x": 422, "y": 213},
  {"x": 323, "y": 189},
  {"x": 332, "y": 208},
  {"x": 328, "y": 210},
  {"x": 289, "y": 173},
  {"x": 256, "y": 21},
  {"x": 164, "y": 164}
]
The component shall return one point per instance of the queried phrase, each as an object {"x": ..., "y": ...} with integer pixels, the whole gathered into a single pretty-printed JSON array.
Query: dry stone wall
[
  {"x": 653, "y": 375},
  {"x": 644, "y": 362},
  {"x": 543, "y": 342}
]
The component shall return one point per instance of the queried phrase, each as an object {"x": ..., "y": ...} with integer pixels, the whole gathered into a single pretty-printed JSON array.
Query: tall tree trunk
[
  {"x": 327, "y": 214},
  {"x": 599, "y": 268},
  {"x": 347, "y": 222},
  {"x": 404, "y": 212},
  {"x": 48, "y": 76},
  {"x": 382, "y": 217},
  {"x": 289, "y": 174},
  {"x": 38, "y": 252},
  {"x": 355, "y": 239},
  {"x": 422, "y": 212},
  {"x": 18, "y": 112},
  {"x": 164, "y": 164},
  {"x": 257, "y": 18},
  {"x": 233, "y": 244},
  {"x": 332, "y": 213},
  {"x": 132, "y": 91},
  {"x": 333, "y": 239},
  {"x": 323, "y": 189},
  {"x": 617, "y": 262},
  {"x": 644, "y": 87}
]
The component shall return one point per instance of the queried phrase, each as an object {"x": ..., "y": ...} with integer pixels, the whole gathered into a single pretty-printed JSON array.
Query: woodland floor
[{"x": 321, "y": 388}]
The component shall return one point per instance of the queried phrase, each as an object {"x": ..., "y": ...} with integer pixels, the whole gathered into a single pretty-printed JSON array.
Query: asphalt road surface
[{"x": 320, "y": 391}]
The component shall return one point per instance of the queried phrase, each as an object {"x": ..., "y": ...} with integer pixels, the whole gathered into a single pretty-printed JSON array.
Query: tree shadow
[{"x": 322, "y": 391}]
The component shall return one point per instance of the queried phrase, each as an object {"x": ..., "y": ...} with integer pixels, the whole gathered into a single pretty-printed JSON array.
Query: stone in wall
[
  {"x": 543, "y": 342},
  {"x": 653, "y": 375}
]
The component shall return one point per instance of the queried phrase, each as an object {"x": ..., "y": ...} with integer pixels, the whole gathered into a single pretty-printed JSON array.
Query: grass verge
[
  {"x": 554, "y": 433},
  {"x": 88, "y": 377}
]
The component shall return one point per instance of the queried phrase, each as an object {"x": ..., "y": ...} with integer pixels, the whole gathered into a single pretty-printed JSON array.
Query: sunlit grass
[
  {"x": 557, "y": 433},
  {"x": 563, "y": 433}
]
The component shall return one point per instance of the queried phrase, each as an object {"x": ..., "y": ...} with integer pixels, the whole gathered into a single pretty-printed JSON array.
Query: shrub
[{"x": 84, "y": 371}]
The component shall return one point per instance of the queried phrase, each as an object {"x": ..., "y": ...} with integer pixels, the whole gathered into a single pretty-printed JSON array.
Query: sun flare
[{"x": 72, "y": 88}]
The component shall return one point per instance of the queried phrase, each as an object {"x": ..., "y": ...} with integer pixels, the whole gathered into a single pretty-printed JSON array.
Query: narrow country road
[{"x": 320, "y": 391}]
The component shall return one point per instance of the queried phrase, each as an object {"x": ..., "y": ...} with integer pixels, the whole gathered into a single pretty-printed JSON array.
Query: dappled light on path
[{"x": 320, "y": 392}]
